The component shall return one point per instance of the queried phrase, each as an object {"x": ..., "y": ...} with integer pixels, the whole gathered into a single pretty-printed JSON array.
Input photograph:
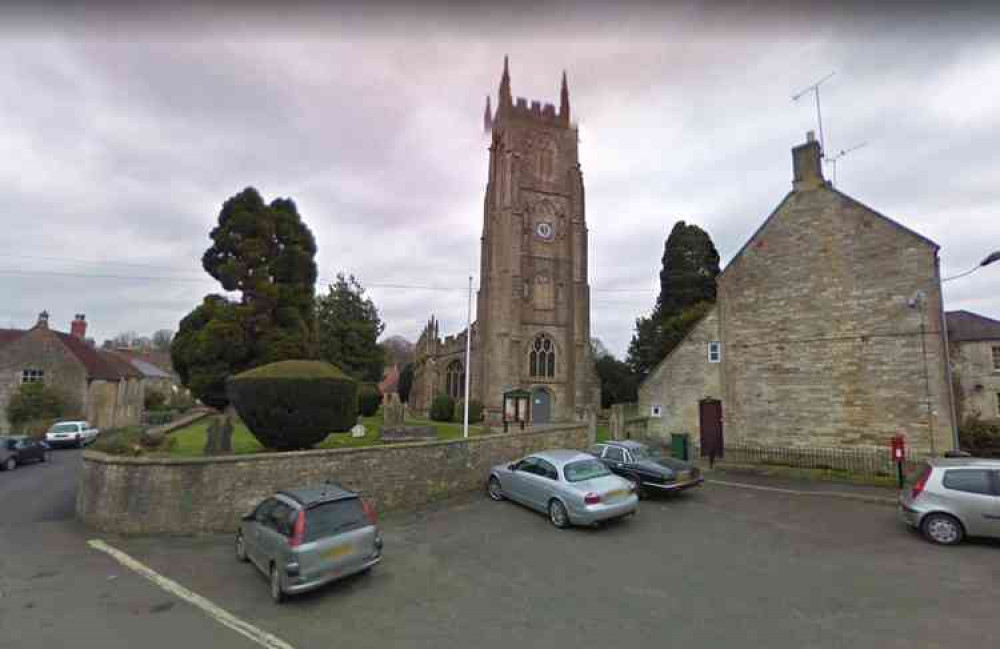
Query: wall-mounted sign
[{"x": 656, "y": 411}]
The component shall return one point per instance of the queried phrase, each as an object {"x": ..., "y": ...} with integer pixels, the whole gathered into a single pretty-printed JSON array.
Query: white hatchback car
[{"x": 71, "y": 433}]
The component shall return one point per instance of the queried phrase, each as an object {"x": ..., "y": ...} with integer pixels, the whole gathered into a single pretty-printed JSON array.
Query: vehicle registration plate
[
  {"x": 683, "y": 476},
  {"x": 338, "y": 552},
  {"x": 618, "y": 494}
]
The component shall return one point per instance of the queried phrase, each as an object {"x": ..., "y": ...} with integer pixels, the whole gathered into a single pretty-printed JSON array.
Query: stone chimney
[
  {"x": 807, "y": 163},
  {"x": 43, "y": 321},
  {"x": 78, "y": 328}
]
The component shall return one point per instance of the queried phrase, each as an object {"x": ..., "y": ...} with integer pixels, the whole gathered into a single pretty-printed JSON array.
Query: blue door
[{"x": 541, "y": 406}]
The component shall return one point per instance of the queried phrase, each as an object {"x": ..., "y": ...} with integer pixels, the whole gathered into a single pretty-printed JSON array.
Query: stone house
[
  {"x": 157, "y": 371},
  {"x": 532, "y": 331},
  {"x": 974, "y": 343},
  {"x": 98, "y": 386},
  {"x": 827, "y": 332}
]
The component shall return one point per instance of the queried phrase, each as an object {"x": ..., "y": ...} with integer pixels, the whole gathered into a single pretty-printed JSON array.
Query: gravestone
[{"x": 393, "y": 410}]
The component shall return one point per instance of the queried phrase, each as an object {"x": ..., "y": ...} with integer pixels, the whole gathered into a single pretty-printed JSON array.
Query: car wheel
[
  {"x": 79, "y": 443},
  {"x": 942, "y": 529},
  {"x": 558, "y": 515},
  {"x": 241, "y": 548},
  {"x": 494, "y": 489},
  {"x": 10, "y": 464},
  {"x": 277, "y": 590}
]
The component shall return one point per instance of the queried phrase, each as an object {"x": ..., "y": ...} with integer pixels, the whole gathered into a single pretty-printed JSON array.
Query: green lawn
[{"x": 190, "y": 441}]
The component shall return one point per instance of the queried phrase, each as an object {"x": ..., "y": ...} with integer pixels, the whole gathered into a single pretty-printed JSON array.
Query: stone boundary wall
[{"x": 139, "y": 495}]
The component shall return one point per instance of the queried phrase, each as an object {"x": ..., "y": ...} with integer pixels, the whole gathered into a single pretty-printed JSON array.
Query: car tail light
[
  {"x": 299, "y": 530},
  {"x": 592, "y": 498},
  {"x": 918, "y": 486},
  {"x": 369, "y": 511}
]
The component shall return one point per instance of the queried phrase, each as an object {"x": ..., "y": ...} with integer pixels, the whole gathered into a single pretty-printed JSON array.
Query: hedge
[{"x": 292, "y": 405}]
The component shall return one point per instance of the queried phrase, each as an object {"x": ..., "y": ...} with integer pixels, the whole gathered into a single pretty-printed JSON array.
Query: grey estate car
[
  {"x": 570, "y": 486},
  {"x": 951, "y": 498},
  {"x": 305, "y": 538}
]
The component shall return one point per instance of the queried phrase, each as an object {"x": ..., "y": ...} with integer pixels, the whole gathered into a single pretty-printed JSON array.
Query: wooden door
[{"x": 710, "y": 422}]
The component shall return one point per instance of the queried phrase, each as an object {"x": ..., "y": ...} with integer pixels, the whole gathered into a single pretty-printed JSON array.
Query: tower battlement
[{"x": 508, "y": 108}]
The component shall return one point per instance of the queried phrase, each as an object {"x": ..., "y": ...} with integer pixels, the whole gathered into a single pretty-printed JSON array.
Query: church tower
[{"x": 533, "y": 309}]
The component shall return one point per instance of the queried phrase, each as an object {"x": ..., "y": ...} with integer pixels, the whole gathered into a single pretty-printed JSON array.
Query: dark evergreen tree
[
  {"x": 266, "y": 253},
  {"x": 690, "y": 266},
  {"x": 348, "y": 327},
  {"x": 619, "y": 383},
  {"x": 405, "y": 382}
]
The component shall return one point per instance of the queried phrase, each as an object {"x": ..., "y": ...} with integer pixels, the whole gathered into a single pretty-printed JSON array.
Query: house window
[
  {"x": 542, "y": 359},
  {"x": 714, "y": 351},
  {"x": 32, "y": 376},
  {"x": 455, "y": 380},
  {"x": 996, "y": 358},
  {"x": 998, "y": 404}
]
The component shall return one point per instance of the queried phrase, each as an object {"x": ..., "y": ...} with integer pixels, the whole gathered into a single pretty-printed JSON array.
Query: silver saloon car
[
  {"x": 572, "y": 487},
  {"x": 952, "y": 498}
]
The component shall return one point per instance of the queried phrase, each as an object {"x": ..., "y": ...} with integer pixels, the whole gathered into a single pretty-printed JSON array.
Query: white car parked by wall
[{"x": 71, "y": 433}]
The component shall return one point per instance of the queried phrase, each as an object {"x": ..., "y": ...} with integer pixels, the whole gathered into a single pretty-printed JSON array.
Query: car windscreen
[
  {"x": 584, "y": 470},
  {"x": 644, "y": 453},
  {"x": 64, "y": 428},
  {"x": 336, "y": 517}
]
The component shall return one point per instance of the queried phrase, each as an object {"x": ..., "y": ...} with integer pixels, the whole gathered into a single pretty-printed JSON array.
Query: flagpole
[{"x": 468, "y": 359}]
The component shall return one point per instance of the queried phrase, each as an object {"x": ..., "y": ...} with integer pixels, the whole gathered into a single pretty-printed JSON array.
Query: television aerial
[
  {"x": 814, "y": 88},
  {"x": 833, "y": 160}
]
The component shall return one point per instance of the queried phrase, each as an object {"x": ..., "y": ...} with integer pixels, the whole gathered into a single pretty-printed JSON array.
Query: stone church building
[
  {"x": 828, "y": 331},
  {"x": 533, "y": 307}
]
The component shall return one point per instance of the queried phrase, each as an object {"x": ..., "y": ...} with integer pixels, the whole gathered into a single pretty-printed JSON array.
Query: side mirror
[{"x": 512, "y": 466}]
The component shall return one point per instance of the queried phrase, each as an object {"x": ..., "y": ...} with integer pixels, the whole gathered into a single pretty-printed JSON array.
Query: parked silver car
[
  {"x": 305, "y": 538},
  {"x": 951, "y": 498},
  {"x": 570, "y": 486}
]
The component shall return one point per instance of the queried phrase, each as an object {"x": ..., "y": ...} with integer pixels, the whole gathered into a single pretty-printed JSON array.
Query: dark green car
[{"x": 647, "y": 468}]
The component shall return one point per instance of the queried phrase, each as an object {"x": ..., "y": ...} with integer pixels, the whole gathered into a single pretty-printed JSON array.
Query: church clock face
[{"x": 544, "y": 231}]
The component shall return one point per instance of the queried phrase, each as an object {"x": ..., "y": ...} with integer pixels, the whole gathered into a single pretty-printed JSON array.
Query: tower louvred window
[{"x": 542, "y": 358}]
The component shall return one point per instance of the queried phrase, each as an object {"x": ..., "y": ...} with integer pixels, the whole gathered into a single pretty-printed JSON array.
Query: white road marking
[
  {"x": 794, "y": 492},
  {"x": 223, "y": 617},
  {"x": 759, "y": 487}
]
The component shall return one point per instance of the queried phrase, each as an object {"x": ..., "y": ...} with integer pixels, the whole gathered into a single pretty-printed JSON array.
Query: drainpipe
[{"x": 947, "y": 354}]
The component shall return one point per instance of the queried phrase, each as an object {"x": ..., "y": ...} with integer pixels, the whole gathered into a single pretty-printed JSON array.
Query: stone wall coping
[{"x": 105, "y": 458}]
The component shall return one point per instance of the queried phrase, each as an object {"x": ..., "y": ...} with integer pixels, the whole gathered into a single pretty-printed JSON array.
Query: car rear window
[
  {"x": 335, "y": 517},
  {"x": 976, "y": 481},
  {"x": 584, "y": 470}
]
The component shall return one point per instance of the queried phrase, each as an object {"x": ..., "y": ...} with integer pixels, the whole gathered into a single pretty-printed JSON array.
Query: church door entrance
[{"x": 541, "y": 406}]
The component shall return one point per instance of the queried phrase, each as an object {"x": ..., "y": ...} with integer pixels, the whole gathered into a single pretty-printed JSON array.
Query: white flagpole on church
[{"x": 468, "y": 358}]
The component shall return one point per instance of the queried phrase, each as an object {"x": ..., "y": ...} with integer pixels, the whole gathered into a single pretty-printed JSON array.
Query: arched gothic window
[
  {"x": 455, "y": 380},
  {"x": 542, "y": 358}
]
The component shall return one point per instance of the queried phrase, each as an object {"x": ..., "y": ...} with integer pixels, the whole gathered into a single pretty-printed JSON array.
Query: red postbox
[{"x": 898, "y": 448}]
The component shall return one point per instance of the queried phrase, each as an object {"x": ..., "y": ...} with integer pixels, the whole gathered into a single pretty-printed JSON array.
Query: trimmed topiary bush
[
  {"x": 442, "y": 408},
  {"x": 475, "y": 411},
  {"x": 292, "y": 405},
  {"x": 368, "y": 400}
]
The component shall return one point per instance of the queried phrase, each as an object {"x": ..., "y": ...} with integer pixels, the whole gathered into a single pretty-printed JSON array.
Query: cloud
[{"x": 121, "y": 134}]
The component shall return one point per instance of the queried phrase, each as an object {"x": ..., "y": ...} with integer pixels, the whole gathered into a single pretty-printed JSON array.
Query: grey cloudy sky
[{"x": 122, "y": 134}]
